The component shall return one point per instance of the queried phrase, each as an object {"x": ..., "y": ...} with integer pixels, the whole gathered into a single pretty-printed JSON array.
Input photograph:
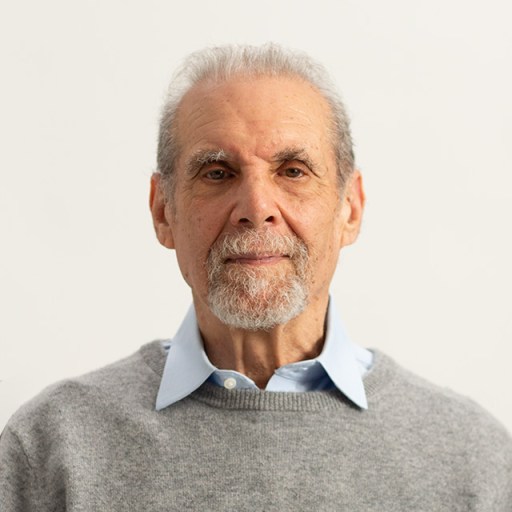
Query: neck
[{"x": 257, "y": 354}]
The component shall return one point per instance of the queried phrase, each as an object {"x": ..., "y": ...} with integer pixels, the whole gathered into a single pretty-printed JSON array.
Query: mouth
[{"x": 256, "y": 259}]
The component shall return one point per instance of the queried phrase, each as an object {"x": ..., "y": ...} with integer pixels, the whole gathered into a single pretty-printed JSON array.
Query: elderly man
[{"x": 260, "y": 401}]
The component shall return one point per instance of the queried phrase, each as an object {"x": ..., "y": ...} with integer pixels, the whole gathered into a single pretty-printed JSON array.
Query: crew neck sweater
[{"x": 96, "y": 443}]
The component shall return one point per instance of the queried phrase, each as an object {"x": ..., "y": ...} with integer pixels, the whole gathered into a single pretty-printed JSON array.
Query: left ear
[{"x": 352, "y": 208}]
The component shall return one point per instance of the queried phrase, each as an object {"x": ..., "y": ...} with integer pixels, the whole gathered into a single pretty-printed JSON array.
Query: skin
[{"x": 276, "y": 171}]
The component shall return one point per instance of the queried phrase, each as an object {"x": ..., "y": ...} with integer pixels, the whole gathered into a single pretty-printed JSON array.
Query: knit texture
[{"x": 96, "y": 443}]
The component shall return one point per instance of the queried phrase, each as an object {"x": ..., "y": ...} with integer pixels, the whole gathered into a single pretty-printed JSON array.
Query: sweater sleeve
[{"x": 15, "y": 474}]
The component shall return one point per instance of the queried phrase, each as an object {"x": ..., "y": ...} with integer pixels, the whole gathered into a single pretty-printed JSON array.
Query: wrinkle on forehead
[{"x": 299, "y": 97}]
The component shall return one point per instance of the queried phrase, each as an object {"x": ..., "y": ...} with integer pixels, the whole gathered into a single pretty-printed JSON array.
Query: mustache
[{"x": 256, "y": 243}]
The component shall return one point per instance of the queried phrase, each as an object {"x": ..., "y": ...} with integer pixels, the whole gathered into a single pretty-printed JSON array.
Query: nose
[{"x": 255, "y": 203}]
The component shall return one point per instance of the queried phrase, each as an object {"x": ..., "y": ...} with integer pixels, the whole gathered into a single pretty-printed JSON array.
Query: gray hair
[{"x": 219, "y": 64}]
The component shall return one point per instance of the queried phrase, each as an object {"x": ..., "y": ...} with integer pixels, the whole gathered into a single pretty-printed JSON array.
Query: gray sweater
[{"x": 96, "y": 443}]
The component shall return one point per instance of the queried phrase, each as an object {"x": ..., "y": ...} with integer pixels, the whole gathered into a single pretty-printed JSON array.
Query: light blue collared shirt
[{"x": 341, "y": 364}]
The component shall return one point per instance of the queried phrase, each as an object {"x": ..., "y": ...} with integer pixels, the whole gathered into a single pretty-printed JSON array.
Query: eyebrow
[
  {"x": 202, "y": 157},
  {"x": 291, "y": 153},
  {"x": 208, "y": 156}
]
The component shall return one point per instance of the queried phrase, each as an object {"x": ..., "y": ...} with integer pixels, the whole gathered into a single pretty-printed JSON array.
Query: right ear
[{"x": 160, "y": 212}]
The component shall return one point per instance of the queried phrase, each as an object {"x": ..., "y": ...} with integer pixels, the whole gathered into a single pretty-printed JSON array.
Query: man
[{"x": 260, "y": 401}]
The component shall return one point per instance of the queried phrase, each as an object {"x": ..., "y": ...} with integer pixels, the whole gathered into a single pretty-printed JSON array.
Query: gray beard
[{"x": 257, "y": 298}]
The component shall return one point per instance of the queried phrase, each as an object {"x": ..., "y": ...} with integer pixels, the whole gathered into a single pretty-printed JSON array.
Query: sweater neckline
[{"x": 379, "y": 377}]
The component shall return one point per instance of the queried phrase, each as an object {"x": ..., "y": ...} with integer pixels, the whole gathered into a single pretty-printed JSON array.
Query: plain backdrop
[{"x": 428, "y": 86}]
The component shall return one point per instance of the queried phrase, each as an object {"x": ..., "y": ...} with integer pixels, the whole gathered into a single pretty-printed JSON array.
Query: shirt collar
[
  {"x": 345, "y": 362},
  {"x": 187, "y": 366}
]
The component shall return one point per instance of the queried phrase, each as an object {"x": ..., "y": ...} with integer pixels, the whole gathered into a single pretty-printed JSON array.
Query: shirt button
[{"x": 230, "y": 383}]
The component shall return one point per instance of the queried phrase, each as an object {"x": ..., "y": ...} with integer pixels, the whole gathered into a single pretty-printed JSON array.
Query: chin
[{"x": 265, "y": 307}]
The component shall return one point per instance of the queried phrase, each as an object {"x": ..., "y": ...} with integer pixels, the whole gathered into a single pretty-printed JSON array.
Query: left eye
[
  {"x": 216, "y": 174},
  {"x": 293, "y": 172}
]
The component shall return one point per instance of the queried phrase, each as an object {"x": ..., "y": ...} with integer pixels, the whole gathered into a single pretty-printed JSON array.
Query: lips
[{"x": 256, "y": 259}]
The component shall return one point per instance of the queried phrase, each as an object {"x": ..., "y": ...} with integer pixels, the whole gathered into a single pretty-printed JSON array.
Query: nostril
[{"x": 244, "y": 221}]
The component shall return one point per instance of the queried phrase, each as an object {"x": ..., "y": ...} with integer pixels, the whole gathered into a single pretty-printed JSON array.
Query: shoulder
[
  {"x": 415, "y": 395},
  {"x": 129, "y": 382},
  {"x": 442, "y": 421}
]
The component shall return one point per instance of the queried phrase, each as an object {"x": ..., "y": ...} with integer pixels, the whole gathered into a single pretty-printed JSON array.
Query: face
[{"x": 256, "y": 190}]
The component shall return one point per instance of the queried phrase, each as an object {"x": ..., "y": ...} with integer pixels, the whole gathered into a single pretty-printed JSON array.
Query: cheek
[
  {"x": 322, "y": 234},
  {"x": 195, "y": 237},
  {"x": 319, "y": 226}
]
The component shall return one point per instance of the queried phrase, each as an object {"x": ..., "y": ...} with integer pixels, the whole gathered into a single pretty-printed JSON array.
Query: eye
[
  {"x": 293, "y": 172},
  {"x": 216, "y": 175}
]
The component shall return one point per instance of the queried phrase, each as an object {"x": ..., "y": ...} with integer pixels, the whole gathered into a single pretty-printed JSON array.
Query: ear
[
  {"x": 352, "y": 208},
  {"x": 160, "y": 212}
]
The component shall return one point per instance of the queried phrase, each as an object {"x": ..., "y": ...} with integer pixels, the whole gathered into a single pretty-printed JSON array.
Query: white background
[{"x": 428, "y": 85}]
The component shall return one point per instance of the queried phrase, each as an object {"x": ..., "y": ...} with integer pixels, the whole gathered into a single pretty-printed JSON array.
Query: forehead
[{"x": 254, "y": 115}]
